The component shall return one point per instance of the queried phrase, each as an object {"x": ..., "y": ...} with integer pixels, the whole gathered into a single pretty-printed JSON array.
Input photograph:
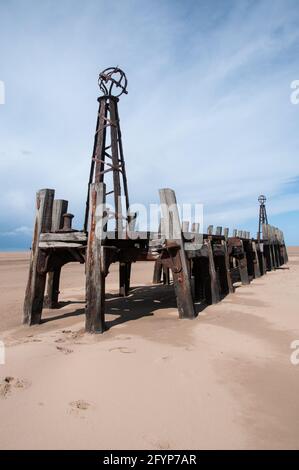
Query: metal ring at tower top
[
  {"x": 111, "y": 79},
  {"x": 262, "y": 199}
]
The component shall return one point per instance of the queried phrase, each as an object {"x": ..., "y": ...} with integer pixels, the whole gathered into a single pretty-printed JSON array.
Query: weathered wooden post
[
  {"x": 125, "y": 266},
  {"x": 175, "y": 243},
  {"x": 215, "y": 288},
  {"x": 95, "y": 272},
  {"x": 51, "y": 299},
  {"x": 195, "y": 227},
  {"x": 243, "y": 270},
  {"x": 158, "y": 267},
  {"x": 256, "y": 263},
  {"x": 34, "y": 296},
  {"x": 227, "y": 266}
]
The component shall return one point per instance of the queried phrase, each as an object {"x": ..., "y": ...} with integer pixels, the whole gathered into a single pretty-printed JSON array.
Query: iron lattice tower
[
  {"x": 263, "y": 219},
  {"x": 107, "y": 155}
]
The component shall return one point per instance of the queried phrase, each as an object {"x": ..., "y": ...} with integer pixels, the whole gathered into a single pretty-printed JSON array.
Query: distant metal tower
[
  {"x": 263, "y": 219},
  {"x": 108, "y": 153}
]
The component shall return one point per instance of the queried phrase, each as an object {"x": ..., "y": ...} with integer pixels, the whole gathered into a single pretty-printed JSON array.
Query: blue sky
[{"x": 208, "y": 111}]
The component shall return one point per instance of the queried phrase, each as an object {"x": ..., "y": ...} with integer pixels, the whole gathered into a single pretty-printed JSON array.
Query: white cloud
[{"x": 23, "y": 230}]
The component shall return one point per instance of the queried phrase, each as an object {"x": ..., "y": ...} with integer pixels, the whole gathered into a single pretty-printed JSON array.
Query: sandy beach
[{"x": 152, "y": 381}]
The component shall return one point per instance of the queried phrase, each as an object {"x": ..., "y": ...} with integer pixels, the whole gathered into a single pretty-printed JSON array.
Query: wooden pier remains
[{"x": 203, "y": 267}]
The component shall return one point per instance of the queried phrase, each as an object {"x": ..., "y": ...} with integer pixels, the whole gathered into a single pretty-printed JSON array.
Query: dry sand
[{"x": 152, "y": 381}]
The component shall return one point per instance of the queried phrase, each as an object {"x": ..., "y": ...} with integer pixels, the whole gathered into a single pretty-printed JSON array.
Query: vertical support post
[
  {"x": 215, "y": 288},
  {"x": 242, "y": 263},
  {"x": 185, "y": 226},
  {"x": 34, "y": 296},
  {"x": 157, "y": 275},
  {"x": 227, "y": 266},
  {"x": 95, "y": 275},
  {"x": 124, "y": 278},
  {"x": 256, "y": 263},
  {"x": 116, "y": 162},
  {"x": 125, "y": 267},
  {"x": 157, "y": 272},
  {"x": 195, "y": 227},
  {"x": 173, "y": 233},
  {"x": 59, "y": 209},
  {"x": 53, "y": 277}
]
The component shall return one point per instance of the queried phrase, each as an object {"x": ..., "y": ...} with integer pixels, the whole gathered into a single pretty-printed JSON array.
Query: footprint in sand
[
  {"x": 122, "y": 349},
  {"x": 59, "y": 340},
  {"x": 9, "y": 383},
  {"x": 79, "y": 406},
  {"x": 64, "y": 350}
]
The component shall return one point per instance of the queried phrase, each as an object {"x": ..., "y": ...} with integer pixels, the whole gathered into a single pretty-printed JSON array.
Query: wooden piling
[
  {"x": 227, "y": 267},
  {"x": 243, "y": 270},
  {"x": 34, "y": 296},
  {"x": 53, "y": 277},
  {"x": 256, "y": 262},
  {"x": 95, "y": 275},
  {"x": 180, "y": 271},
  {"x": 215, "y": 288}
]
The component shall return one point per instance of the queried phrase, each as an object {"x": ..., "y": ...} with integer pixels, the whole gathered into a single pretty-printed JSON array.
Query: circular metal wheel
[{"x": 113, "y": 82}]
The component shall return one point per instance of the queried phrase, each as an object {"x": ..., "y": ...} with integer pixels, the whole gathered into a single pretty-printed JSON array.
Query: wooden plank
[
  {"x": 34, "y": 296},
  {"x": 180, "y": 272},
  {"x": 64, "y": 237},
  {"x": 46, "y": 245},
  {"x": 95, "y": 275}
]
